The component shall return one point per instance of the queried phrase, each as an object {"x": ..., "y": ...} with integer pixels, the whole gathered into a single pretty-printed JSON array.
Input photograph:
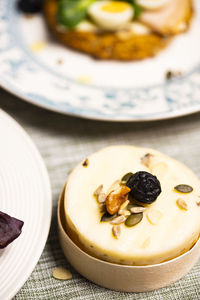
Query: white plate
[
  {"x": 94, "y": 89},
  {"x": 25, "y": 194}
]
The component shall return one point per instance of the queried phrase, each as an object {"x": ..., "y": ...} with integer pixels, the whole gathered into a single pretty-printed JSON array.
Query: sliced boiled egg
[
  {"x": 153, "y": 4},
  {"x": 111, "y": 15}
]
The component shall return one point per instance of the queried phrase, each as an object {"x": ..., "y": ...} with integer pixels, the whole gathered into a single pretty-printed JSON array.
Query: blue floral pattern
[{"x": 20, "y": 68}]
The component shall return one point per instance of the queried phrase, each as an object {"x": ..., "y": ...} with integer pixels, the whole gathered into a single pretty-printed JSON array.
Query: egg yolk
[{"x": 115, "y": 7}]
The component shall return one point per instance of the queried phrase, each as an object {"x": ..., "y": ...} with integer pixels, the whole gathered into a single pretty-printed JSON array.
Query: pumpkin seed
[
  {"x": 98, "y": 190},
  {"x": 61, "y": 274},
  {"x": 134, "y": 219},
  {"x": 183, "y": 188},
  {"x": 126, "y": 177},
  {"x": 118, "y": 220},
  {"x": 181, "y": 204},
  {"x": 107, "y": 217},
  {"x": 116, "y": 230}
]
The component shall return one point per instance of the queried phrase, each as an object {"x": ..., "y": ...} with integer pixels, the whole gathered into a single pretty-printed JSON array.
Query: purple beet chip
[{"x": 10, "y": 229}]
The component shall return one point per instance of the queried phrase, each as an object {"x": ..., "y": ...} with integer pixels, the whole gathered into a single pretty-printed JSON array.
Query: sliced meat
[{"x": 173, "y": 18}]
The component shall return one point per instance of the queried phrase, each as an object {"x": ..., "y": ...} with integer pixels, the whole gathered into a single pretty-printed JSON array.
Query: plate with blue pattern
[{"x": 39, "y": 70}]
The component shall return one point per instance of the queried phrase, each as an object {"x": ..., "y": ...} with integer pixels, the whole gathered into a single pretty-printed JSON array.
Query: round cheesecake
[{"x": 165, "y": 227}]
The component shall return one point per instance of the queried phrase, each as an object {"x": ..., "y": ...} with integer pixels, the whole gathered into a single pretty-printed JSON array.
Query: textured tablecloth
[{"x": 64, "y": 141}]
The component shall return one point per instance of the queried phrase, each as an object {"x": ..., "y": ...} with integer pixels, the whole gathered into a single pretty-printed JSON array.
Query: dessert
[
  {"x": 121, "y": 30},
  {"x": 132, "y": 206}
]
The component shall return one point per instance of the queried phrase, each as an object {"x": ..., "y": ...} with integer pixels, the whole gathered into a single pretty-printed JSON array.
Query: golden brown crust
[{"x": 105, "y": 45}]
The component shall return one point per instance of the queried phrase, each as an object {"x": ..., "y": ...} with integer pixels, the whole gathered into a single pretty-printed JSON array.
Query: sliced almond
[
  {"x": 182, "y": 204},
  {"x": 116, "y": 198},
  {"x": 137, "y": 209},
  {"x": 146, "y": 159},
  {"x": 98, "y": 190},
  {"x": 101, "y": 198},
  {"x": 154, "y": 216},
  {"x": 123, "y": 207},
  {"x": 118, "y": 220},
  {"x": 146, "y": 243},
  {"x": 198, "y": 203},
  {"x": 159, "y": 170},
  {"x": 116, "y": 230},
  {"x": 61, "y": 274},
  {"x": 114, "y": 186}
]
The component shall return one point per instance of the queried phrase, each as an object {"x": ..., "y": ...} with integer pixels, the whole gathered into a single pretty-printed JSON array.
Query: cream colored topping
[{"x": 165, "y": 231}]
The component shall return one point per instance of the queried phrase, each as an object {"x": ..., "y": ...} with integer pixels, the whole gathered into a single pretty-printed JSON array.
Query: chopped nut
[
  {"x": 114, "y": 186},
  {"x": 182, "y": 204},
  {"x": 146, "y": 159},
  {"x": 61, "y": 274},
  {"x": 137, "y": 209},
  {"x": 118, "y": 220},
  {"x": 115, "y": 199},
  {"x": 116, "y": 230},
  {"x": 123, "y": 207},
  {"x": 98, "y": 190},
  {"x": 85, "y": 163},
  {"x": 154, "y": 216},
  {"x": 125, "y": 212},
  {"x": 101, "y": 198},
  {"x": 198, "y": 203}
]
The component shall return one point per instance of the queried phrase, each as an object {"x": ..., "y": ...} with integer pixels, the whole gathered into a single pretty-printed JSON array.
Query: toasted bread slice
[{"x": 121, "y": 45}]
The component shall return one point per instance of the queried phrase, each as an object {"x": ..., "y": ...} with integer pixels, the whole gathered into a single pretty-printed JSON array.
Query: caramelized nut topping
[{"x": 115, "y": 199}]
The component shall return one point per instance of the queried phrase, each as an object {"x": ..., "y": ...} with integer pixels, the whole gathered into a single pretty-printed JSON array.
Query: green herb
[
  {"x": 137, "y": 9},
  {"x": 72, "y": 12}
]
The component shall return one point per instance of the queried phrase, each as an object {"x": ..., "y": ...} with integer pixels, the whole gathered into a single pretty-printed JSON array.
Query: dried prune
[{"x": 144, "y": 187}]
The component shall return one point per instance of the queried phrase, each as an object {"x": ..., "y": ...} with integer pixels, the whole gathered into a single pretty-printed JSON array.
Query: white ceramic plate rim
[{"x": 30, "y": 267}]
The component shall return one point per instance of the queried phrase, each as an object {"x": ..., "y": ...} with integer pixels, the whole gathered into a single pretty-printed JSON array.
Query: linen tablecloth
[{"x": 63, "y": 141}]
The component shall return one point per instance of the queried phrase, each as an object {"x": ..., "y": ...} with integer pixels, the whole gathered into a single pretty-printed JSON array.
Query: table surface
[{"x": 63, "y": 141}]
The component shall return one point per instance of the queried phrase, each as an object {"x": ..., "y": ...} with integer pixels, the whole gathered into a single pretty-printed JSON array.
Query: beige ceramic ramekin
[{"x": 121, "y": 277}]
